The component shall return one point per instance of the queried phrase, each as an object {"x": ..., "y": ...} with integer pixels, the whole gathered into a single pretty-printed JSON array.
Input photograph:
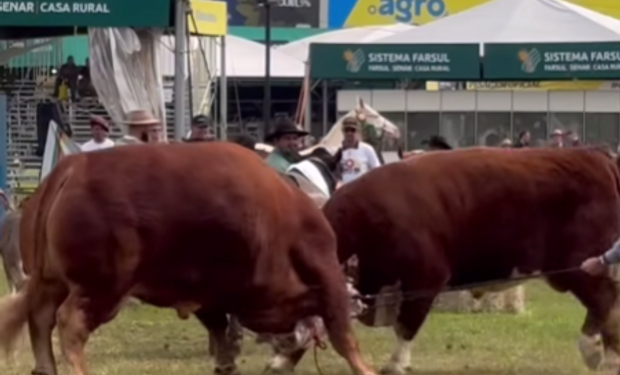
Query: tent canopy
[
  {"x": 246, "y": 59},
  {"x": 516, "y": 21},
  {"x": 368, "y": 34}
]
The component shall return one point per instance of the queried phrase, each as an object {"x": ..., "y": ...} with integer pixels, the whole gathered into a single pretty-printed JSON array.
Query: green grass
[{"x": 150, "y": 341}]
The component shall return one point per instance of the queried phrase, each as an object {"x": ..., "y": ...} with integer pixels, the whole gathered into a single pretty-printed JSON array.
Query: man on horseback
[{"x": 285, "y": 139}]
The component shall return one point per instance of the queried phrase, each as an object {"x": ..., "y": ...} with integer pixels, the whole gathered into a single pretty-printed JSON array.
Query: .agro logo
[
  {"x": 406, "y": 10},
  {"x": 355, "y": 60},
  {"x": 529, "y": 60}
]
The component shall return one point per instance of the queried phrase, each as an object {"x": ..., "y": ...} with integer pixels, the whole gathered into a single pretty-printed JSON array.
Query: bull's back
[
  {"x": 172, "y": 212},
  {"x": 490, "y": 204}
]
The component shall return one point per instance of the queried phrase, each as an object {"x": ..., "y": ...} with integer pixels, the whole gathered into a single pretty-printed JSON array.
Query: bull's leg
[
  {"x": 41, "y": 321},
  {"x": 420, "y": 288},
  {"x": 334, "y": 306},
  {"x": 599, "y": 296},
  {"x": 221, "y": 342},
  {"x": 78, "y": 316},
  {"x": 234, "y": 333},
  {"x": 284, "y": 363}
]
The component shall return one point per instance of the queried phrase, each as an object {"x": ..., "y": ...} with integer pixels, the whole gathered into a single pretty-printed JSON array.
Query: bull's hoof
[
  {"x": 393, "y": 369},
  {"x": 611, "y": 362},
  {"x": 226, "y": 370},
  {"x": 279, "y": 365},
  {"x": 592, "y": 352}
]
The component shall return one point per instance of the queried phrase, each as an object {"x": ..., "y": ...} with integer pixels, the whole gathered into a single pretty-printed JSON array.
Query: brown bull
[
  {"x": 453, "y": 218},
  {"x": 204, "y": 227}
]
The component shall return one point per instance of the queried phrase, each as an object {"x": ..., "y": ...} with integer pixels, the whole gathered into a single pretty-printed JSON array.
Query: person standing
[
  {"x": 142, "y": 127},
  {"x": 99, "y": 128},
  {"x": 524, "y": 139},
  {"x": 557, "y": 139},
  {"x": 201, "y": 130},
  {"x": 67, "y": 74},
  {"x": 285, "y": 140},
  {"x": 358, "y": 157}
]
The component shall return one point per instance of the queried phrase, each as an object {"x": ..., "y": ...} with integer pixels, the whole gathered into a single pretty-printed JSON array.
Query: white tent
[
  {"x": 368, "y": 34},
  {"x": 244, "y": 59},
  {"x": 518, "y": 21}
]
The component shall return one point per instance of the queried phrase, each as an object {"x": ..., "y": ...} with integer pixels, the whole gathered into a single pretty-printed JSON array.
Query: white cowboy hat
[{"x": 141, "y": 117}]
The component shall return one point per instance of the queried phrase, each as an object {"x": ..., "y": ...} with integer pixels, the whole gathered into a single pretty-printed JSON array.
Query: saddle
[{"x": 307, "y": 187}]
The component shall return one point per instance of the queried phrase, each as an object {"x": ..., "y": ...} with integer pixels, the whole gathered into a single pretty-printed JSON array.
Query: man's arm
[{"x": 611, "y": 256}]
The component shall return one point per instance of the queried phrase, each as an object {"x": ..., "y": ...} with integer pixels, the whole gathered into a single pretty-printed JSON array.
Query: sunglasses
[{"x": 350, "y": 130}]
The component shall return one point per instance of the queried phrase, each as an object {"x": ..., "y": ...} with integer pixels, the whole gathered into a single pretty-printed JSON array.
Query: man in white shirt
[
  {"x": 99, "y": 128},
  {"x": 358, "y": 157}
]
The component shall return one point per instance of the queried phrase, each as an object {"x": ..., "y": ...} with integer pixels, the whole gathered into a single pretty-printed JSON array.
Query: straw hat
[{"x": 141, "y": 117}]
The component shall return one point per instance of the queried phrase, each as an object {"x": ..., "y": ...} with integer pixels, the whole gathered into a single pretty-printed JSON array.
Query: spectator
[
  {"x": 142, "y": 127},
  {"x": 356, "y": 157},
  {"x": 524, "y": 139},
  {"x": 557, "y": 139},
  {"x": 201, "y": 130},
  {"x": 571, "y": 139},
  {"x": 85, "y": 87},
  {"x": 285, "y": 139},
  {"x": 99, "y": 128},
  {"x": 68, "y": 74}
]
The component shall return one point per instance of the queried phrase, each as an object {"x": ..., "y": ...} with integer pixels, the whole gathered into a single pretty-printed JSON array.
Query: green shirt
[{"x": 277, "y": 161}]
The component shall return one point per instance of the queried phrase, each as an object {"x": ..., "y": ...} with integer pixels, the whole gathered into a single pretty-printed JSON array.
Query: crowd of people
[{"x": 357, "y": 155}]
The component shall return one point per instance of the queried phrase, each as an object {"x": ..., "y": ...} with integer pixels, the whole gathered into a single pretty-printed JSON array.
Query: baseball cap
[{"x": 201, "y": 121}]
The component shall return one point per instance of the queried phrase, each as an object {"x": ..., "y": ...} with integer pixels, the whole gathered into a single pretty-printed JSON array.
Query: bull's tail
[{"x": 14, "y": 309}]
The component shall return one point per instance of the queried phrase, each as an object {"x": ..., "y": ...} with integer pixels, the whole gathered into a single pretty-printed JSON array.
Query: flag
[{"x": 57, "y": 144}]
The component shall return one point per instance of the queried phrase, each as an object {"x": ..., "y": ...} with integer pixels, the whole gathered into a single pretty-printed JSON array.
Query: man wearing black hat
[
  {"x": 202, "y": 130},
  {"x": 285, "y": 139}
]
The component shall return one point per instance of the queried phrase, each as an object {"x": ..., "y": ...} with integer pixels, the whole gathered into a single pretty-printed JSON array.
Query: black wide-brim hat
[{"x": 284, "y": 129}]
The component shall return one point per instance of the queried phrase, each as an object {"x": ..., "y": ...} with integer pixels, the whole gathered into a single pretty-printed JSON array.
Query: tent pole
[
  {"x": 308, "y": 101},
  {"x": 325, "y": 106},
  {"x": 179, "y": 69},
  {"x": 223, "y": 91}
]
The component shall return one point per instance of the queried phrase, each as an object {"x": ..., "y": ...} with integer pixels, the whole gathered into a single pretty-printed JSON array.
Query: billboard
[
  {"x": 286, "y": 13},
  {"x": 350, "y": 13},
  {"x": 208, "y": 18}
]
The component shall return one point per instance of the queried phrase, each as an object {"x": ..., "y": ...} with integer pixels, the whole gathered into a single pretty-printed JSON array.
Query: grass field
[{"x": 148, "y": 341}]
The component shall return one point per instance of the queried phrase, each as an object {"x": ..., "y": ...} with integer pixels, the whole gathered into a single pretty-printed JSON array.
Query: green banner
[
  {"x": 395, "y": 61},
  {"x": 102, "y": 13},
  {"x": 551, "y": 61}
]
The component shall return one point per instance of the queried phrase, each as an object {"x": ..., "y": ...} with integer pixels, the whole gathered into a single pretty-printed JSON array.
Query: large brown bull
[
  {"x": 453, "y": 218},
  {"x": 204, "y": 227}
]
